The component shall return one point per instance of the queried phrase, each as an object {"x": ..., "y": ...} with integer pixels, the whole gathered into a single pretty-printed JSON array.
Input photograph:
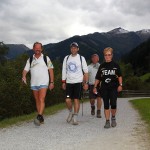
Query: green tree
[{"x": 3, "y": 51}]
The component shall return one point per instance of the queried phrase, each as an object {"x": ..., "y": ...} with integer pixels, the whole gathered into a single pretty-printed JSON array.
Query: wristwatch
[{"x": 120, "y": 84}]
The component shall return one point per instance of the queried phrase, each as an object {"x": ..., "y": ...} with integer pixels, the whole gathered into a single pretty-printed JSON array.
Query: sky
[{"x": 52, "y": 21}]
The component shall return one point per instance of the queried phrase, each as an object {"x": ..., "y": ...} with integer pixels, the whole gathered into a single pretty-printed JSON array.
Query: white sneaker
[
  {"x": 75, "y": 122},
  {"x": 69, "y": 117}
]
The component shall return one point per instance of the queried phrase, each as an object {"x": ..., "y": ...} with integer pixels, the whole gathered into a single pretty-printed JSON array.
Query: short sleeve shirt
[
  {"x": 92, "y": 69},
  {"x": 39, "y": 70}
]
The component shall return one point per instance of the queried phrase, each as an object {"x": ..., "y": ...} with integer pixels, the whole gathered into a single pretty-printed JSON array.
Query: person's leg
[
  {"x": 77, "y": 90},
  {"x": 69, "y": 104},
  {"x": 92, "y": 102},
  {"x": 92, "y": 98},
  {"x": 113, "y": 103},
  {"x": 105, "y": 95},
  {"x": 76, "y": 106},
  {"x": 113, "y": 112},
  {"x": 99, "y": 104},
  {"x": 39, "y": 95},
  {"x": 42, "y": 95},
  {"x": 36, "y": 97},
  {"x": 76, "y": 111},
  {"x": 69, "y": 101},
  {"x": 107, "y": 114}
]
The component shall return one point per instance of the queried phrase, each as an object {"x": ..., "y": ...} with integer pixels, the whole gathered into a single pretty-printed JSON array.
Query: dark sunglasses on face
[{"x": 107, "y": 54}]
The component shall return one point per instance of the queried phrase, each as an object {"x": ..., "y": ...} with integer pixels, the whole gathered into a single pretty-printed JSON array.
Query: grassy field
[
  {"x": 27, "y": 118},
  {"x": 143, "y": 107}
]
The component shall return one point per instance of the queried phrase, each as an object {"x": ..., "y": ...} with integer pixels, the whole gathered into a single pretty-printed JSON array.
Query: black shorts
[
  {"x": 74, "y": 91},
  {"x": 91, "y": 94}
]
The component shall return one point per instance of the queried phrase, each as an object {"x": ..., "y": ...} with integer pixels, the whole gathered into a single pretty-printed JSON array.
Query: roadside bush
[{"x": 16, "y": 98}]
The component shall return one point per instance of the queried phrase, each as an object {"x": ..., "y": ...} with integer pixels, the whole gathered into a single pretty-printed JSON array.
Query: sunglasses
[{"x": 108, "y": 55}]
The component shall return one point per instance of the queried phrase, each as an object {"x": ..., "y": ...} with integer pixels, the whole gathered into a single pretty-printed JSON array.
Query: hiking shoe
[
  {"x": 75, "y": 122},
  {"x": 39, "y": 120},
  {"x": 99, "y": 114},
  {"x": 92, "y": 110},
  {"x": 70, "y": 117},
  {"x": 107, "y": 124},
  {"x": 113, "y": 122}
]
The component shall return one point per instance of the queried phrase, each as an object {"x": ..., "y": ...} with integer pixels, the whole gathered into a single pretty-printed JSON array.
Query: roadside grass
[
  {"x": 145, "y": 77},
  {"x": 143, "y": 107},
  {"x": 27, "y": 118}
]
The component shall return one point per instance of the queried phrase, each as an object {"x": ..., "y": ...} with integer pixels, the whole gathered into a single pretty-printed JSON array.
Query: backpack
[
  {"x": 80, "y": 60},
  {"x": 44, "y": 57}
]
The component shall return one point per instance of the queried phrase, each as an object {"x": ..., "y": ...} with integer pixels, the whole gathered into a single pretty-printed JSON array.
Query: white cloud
[{"x": 27, "y": 21}]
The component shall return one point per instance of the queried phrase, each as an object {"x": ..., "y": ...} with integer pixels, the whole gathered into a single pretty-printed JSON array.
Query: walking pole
[
  {"x": 82, "y": 97},
  {"x": 82, "y": 102}
]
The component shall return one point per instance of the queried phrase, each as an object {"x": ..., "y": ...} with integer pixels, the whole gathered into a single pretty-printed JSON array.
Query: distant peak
[
  {"x": 144, "y": 31},
  {"x": 118, "y": 31}
]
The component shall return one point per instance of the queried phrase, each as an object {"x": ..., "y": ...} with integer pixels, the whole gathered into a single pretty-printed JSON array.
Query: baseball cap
[{"x": 74, "y": 44}]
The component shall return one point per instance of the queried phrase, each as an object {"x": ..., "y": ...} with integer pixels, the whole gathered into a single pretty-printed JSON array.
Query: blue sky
[{"x": 50, "y": 21}]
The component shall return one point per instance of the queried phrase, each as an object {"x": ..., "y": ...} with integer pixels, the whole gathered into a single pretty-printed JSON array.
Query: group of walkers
[{"x": 103, "y": 81}]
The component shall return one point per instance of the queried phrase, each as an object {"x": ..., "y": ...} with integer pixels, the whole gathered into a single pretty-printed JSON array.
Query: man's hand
[
  {"x": 85, "y": 86},
  {"x": 94, "y": 90},
  {"x": 119, "y": 88},
  {"x": 51, "y": 86},
  {"x": 24, "y": 80},
  {"x": 64, "y": 86}
]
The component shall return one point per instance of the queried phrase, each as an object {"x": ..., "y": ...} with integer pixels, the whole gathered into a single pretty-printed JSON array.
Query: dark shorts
[
  {"x": 91, "y": 94},
  {"x": 74, "y": 91}
]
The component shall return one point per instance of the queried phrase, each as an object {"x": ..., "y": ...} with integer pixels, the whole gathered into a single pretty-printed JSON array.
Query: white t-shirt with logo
[
  {"x": 72, "y": 71},
  {"x": 92, "y": 68},
  {"x": 39, "y": 70}
]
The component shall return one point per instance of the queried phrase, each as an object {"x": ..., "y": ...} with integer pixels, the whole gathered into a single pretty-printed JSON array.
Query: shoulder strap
[
  {"x": 66, "y": 62},
  {"x": 81, "y": 64},
  {"x": 45, "y": 59},
  {"x": 30, "y": 60},
  {"x": 67, "y": 58}
]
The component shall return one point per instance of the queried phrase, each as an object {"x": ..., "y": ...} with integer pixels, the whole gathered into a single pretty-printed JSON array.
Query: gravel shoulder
[{"x": 57, "y": 134}]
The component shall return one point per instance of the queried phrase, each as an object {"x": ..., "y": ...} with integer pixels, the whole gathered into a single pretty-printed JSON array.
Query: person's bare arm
[
  {"x": 85, "y": 81},
  {"x": 24, "y": 79},
  {"x": 51, "y": 73}
]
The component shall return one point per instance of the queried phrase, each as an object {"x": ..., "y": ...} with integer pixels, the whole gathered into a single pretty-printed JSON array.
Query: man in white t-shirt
[
  {"x": 72, "y": 77},
  {"x": 40, "y": 70},
  {"x": 93, "y": 68}
]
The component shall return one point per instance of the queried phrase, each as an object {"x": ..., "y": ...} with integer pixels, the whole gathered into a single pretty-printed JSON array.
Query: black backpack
[{"x": 44, "y": 57}]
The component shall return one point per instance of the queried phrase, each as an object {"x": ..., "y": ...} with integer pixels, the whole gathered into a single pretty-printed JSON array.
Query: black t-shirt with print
[{"x": 108, "y": 74}]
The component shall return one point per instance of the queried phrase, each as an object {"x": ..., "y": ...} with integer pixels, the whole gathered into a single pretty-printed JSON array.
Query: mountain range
[
  {"x": 121, "y": 40},
  {"x": 139, "y": 58},
  {"x": 16, "y": 50}
]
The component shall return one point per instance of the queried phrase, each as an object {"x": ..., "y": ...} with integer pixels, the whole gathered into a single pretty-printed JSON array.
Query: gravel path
[{"x": 56, "y": 134}]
